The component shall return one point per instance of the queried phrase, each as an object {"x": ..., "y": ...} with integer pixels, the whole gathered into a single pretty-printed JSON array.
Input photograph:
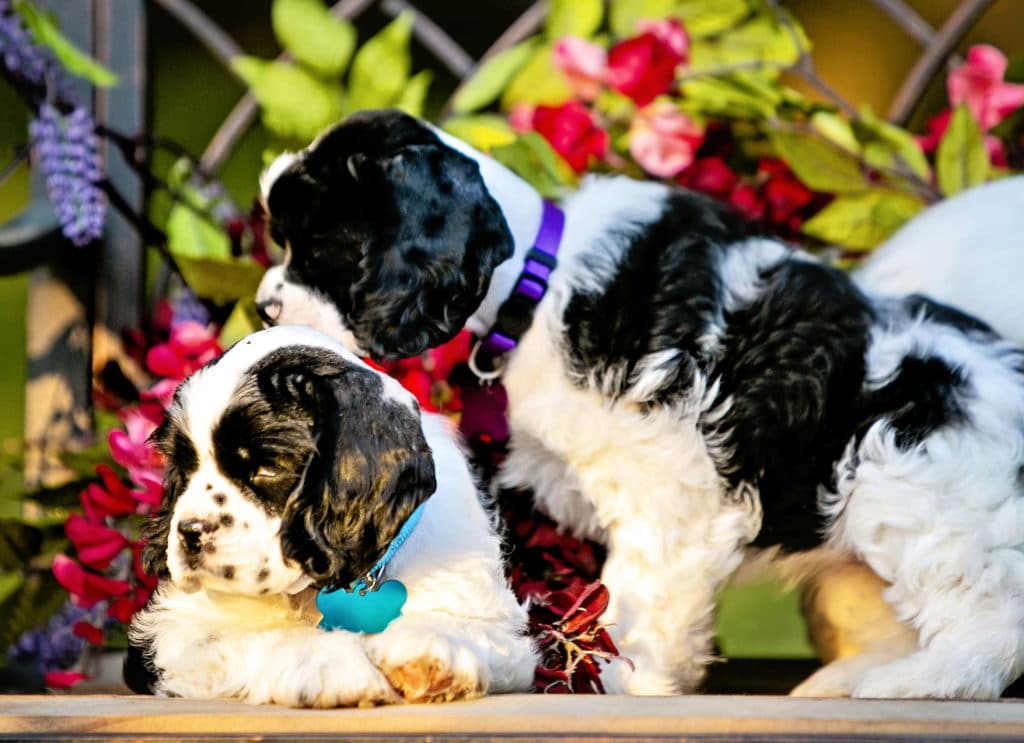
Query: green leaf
[
  {"x": 818, "y": 163},
  {"x": 538, "y": 82},
  {"x": 887, "y": 146},
  {"x": 19, "y": 543},
  {"x": 296, "y": 104},
  {"x": 835, "y": 129},
  {"x": 219, "y": 280},
  {"x": 709, "y": 17},
  {"x": 482, "y": 131},
  {"x": 961, "y": 160},
  {"x": 573, "y": 18},
  {"x": 46, "y": 33},
  {"x": 313, "y": 35},
  {"x": 862, "y": 221},
  {"x": 380, "y": 69},
  {"x": 414, "y": 97},
  {"x": 623, "y": 15},
  {"x": 761, "y": 40},
  {"x": 10, "y": 582},
  {"x": 532, "y": 158},
  {"x": 242, "y": 321},
  {"x": 736, "y": 96},
  {"x": 191, "y": 229},
  {"x": 487, "y": 82}
]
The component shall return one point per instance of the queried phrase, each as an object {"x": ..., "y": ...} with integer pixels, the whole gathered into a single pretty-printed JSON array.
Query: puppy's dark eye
[
  {"x": 265, "y": 473},
  {"x": 354, "y": 163}
]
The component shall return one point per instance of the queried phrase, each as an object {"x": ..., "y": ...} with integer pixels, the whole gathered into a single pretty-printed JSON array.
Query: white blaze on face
[{"x": 239, "y": 549}]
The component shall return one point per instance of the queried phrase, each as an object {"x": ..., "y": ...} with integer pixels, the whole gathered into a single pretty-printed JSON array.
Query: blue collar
[
  {"x": 516, "y": 313},
  {"x": 372, "y": 578}
]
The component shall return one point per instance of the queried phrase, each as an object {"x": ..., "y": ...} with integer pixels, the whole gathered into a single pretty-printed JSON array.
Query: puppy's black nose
[
  {"x": 191, "y": 532},
  {"x": 269, "y": 311}
]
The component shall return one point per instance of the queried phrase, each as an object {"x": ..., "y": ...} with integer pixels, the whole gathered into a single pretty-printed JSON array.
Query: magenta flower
[
  {"x": 583, "y": 64},
  {"x": 86, "y": 588},
  {"x": 663, "y": 140},
  {"x": 979, "y": 84},
  {"x": 130, "y": 448},
  {"x": 189, "y": 348},
  {"x": 96, "y": 545}
]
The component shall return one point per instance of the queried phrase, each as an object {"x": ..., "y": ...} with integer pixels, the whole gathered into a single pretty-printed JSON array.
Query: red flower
[
  {"x": 122, "y": 609},
  {"x": 663, "y": 140},
  {"x": 86, "y": 589},
  {"x": 115, "y": 500},
  {"x": 748, "y": 201},
  {"x": 644, "y": 66},
  {"x": 785, "y": 194},
  {"x": 131, "y": 448},
  {"x": 88, "y": 632},
  {"x": 63, "y": 679},
  {"x": 96, "y": 545},
  {"x": 571, "y": 131},
  {"x": 710, "y": 175}
]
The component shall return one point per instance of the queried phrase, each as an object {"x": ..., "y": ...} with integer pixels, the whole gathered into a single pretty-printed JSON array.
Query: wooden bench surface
[{"x": 532, "y": 717}]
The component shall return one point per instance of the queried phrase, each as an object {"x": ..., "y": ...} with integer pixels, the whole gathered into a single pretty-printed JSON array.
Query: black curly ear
[
  {"x": 182, "y": 460},
  {"x": 373, "y": 467},
  {"x": 427, "y": 268}
]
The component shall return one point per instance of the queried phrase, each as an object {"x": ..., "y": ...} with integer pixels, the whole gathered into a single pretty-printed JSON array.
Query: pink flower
[
  {"x": 131, "y": 448},
  {"x": 583, "y": 65},
  {"x": 663, "y": 140},
  {"x": 571, "y": 131},
  {"x": 520, "y": 117},
  {"x": 189, "y": 348},
  {"x": 979, "y": 84},
  {"x": 643, "y": 67},
  {"x": 87, "y": 589},
  {"x": 95, "y": 544},
  {"x": 670, "y": 32},
  {"x": 161, "y": 393}
]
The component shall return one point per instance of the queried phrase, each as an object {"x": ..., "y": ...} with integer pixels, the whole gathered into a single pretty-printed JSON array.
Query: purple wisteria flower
[
  {"x": 54, "y": 646},
  {"x": 20, "y": 55},
  {"x": 66, "y": 148}
]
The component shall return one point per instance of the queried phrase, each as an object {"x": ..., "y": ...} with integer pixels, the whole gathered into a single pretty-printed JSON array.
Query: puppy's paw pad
[{"x": 428, "y": 667}]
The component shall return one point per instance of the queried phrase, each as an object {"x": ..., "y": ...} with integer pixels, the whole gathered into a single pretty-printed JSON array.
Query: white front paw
[
  {"x": 425, "y": 665},
  {"x": 334, "y": 672}
]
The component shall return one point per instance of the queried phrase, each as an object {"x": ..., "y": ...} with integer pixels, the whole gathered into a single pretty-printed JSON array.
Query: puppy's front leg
[
  {"x": 294, "y": 666},
  {"x": 663, "y": 578}
]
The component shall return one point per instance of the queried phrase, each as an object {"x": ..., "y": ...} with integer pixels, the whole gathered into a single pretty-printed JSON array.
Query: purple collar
[{"x": 516, "y": 312}]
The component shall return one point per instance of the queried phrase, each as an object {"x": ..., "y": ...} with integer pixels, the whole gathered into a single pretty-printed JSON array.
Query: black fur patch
[
  {"x": 663, "y": 294},
  {"x": 405, "y": 247},
  {"x": 138, "y": 671}
]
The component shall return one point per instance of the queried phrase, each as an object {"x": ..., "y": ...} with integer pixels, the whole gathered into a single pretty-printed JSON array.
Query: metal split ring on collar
[{"x": 484, "y": 376}]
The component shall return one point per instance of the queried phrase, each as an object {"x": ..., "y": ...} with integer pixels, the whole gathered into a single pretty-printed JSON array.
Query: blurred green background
[{"x": 858, "y": 50}]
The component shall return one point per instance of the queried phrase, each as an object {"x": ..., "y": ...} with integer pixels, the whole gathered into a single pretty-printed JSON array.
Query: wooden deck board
[{"x": 532, "y": 717}]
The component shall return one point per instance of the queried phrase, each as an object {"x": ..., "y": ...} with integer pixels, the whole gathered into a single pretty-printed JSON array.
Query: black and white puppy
[
  {"x": 291, "y": 466},
  {"x": 689, "y": 391}
]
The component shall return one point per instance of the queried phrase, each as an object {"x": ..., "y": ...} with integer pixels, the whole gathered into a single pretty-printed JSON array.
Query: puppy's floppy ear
[
  {"x": 372, "y": 468},
  {"x": 428, "y": 264},
  {"x": 182, "y": 460}
]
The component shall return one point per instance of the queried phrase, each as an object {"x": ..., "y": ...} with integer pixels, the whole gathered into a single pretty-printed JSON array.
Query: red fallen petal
[
  {"x": 88, "y": 632},
  {"x": 87, "y": 589},
  {"x": 587, "y": 610},
  {"x": 122, "y": 609},
  {"x": 63, "y": 679}
]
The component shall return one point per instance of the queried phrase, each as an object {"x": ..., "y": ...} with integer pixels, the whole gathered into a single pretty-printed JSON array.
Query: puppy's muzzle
[
  {"x": 269, "y": 310},
  {"x": 193, "y": 532}
]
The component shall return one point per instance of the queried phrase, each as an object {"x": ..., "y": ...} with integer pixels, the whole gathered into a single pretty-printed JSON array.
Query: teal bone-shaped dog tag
[
  {"x": 362, "y": 610},
  {"x": 366, "y": 606}
]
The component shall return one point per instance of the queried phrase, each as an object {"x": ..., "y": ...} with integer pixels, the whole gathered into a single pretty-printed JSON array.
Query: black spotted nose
[
  {"x": 192, "y": 531},
  {"x": 269, "y": 310}
]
